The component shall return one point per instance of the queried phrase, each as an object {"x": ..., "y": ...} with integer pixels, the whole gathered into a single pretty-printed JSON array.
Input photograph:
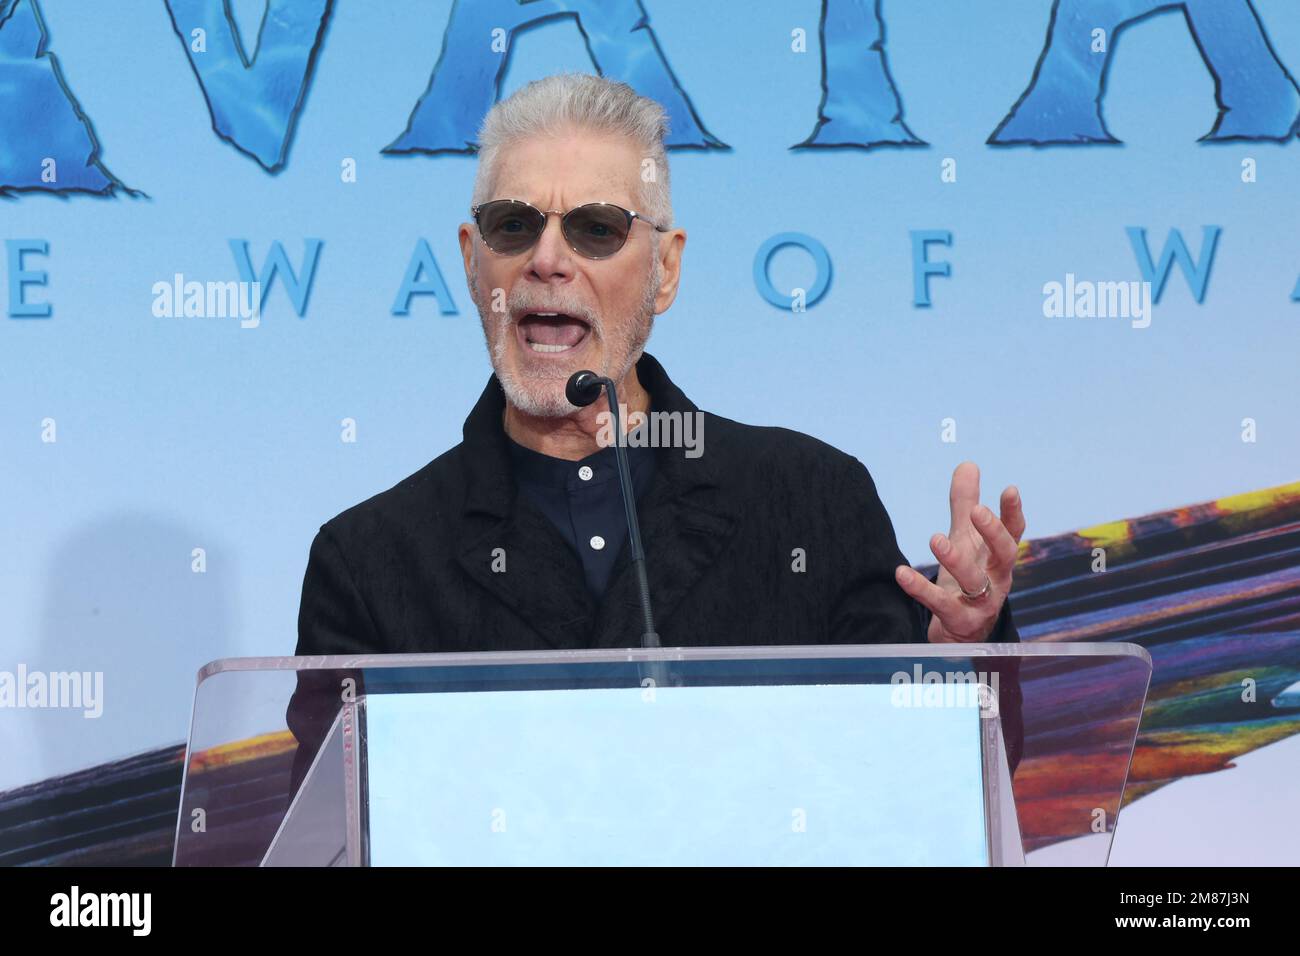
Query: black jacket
[{"x": 411, "y": 569}]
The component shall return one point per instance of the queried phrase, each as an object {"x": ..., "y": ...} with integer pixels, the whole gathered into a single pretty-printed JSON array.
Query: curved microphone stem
[{"x": 651, "y": 637}]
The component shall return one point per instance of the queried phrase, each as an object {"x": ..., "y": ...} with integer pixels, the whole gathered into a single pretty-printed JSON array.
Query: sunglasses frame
[{"x": 629, "y": 214}]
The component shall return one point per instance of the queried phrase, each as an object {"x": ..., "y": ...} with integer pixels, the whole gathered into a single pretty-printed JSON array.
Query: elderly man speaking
[{"x": 517, "y": 539}]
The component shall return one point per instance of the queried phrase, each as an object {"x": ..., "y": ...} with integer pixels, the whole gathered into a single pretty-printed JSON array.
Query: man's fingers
[
  {"x": 1013, "y": 512},
  {"x": 959, "y": 562},
  {"x": 963, "y": 494},
  {"x": 961, "y": 620},
  {"x": 916, "y": 584},
  {"x": 1001, "y": 545}
]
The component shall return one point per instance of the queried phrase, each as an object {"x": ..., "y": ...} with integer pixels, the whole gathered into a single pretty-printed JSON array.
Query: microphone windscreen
[{"x": 583, "y": 388}]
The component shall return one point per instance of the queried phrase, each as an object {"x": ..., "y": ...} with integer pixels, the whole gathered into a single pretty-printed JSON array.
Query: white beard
[{"x": 539, "y": 392}]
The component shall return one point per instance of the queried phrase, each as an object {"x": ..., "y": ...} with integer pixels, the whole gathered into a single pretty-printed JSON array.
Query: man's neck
[{"x": 575, "y": 437}]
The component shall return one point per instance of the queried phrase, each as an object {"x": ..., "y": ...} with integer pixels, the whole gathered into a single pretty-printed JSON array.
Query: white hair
[{"x": 589, "y": 102}]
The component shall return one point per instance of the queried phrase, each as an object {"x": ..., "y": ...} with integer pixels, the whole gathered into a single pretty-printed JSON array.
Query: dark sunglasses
[{"x": 594, "y": 230}]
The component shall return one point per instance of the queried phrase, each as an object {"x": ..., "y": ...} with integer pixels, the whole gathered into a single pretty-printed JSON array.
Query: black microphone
[{"x": 582, "y": 389}]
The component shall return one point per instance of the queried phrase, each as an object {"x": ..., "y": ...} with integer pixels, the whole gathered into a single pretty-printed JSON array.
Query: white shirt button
[
  {"x": 597, "y": 542},
  {"x": 584, "y": 473}
]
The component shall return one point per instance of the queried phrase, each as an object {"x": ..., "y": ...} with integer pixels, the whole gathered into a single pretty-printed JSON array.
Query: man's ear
[
  {"x": 465, "y": 234},
  {"x": 671, "y": 244}
]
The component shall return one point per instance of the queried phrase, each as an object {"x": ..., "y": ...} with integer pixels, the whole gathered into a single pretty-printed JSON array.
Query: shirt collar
[{"x": 532, "y": 467}]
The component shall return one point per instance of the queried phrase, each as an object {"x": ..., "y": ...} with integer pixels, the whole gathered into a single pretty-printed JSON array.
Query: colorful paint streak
[{"x": 1213, "y": 592}]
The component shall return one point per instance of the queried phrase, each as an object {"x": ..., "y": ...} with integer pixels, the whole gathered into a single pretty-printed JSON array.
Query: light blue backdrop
[{"x": 175, "y": 434}]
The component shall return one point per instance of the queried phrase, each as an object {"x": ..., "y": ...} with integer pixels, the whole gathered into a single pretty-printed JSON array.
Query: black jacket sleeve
[
  {"x": 868, "y": 606},
  {"x": 332, "y": 620},
  {"x": 871, "y": 607},
  {"x": 332, "y": 615}
]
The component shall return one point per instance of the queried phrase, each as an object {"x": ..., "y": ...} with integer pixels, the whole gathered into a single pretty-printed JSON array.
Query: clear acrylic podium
[{"x": 978, "y": 754}]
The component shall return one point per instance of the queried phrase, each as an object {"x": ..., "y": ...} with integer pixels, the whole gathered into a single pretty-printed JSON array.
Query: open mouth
[{"x": 551, "y": 333}]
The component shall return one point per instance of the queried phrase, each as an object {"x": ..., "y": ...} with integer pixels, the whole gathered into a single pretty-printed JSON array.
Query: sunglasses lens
[
  {"x": 596, "y": 230},
  {"x": 509, "y": 227}
]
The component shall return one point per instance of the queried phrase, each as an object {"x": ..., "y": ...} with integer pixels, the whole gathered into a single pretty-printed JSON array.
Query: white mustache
[{"x": 524, "y": 302}]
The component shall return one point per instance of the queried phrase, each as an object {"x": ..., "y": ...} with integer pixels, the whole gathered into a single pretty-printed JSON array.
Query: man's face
[{"x": 548, "y": 312}]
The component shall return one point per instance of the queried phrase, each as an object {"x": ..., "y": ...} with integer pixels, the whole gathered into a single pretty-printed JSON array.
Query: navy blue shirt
[{"x": 584, "y": 501}]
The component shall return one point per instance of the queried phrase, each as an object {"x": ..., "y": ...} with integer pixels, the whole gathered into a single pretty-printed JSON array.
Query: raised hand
[{"x": 976, "y": 559}]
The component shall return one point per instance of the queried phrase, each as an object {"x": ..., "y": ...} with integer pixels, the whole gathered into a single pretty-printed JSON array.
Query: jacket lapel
[
  {"x": 542, "y": 580},
  {"x": 686, "y": 525},
  {"x": 524, "y": 563},
  {"x": 681, "y": 544}
]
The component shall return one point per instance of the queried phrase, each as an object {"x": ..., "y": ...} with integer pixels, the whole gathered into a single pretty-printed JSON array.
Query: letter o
[{"x": 821, "y": 259}]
